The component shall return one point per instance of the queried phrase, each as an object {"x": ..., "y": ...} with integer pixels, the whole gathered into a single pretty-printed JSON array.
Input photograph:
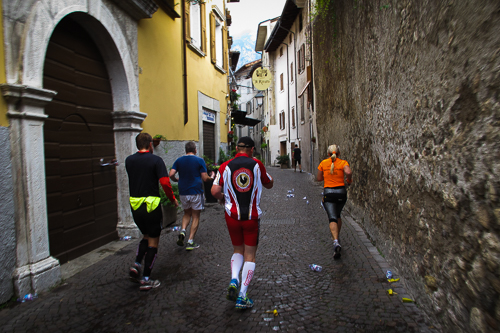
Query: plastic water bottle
[
  {"x": 176, "y": 228},
  {"x": 126, "y": 238},
  {"x": 316, "y": 268},
  {"x": 389, "y": 274},
  {"x": 27, "y": 297}
]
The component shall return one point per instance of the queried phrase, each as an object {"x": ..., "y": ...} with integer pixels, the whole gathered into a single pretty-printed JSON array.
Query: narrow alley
[{"x": 348, "y": 295}]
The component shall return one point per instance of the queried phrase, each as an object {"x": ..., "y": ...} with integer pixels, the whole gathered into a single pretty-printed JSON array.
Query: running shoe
[
  {"x": 232, "y": 290},
  {"x": 336, "y": 250},
  {"x": 192, "y": 246},
  {"x": 243, "y": 303},
  {"x": 135, "y": 273},
  {"x": 180, "y": 240},
  {"x": 149, "y": 284}
]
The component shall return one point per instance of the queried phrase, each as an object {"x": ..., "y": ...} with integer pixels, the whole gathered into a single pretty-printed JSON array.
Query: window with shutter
[
  {"x": 213, "y": 54},
  {"x": 302, "y": 112},
  {"x": 281, "y": 82},
  {"x": 225, "y": 62},
  {"x": 203, "y": 11},
  {"x": 293, "y": 117},
  {"x": 291, "y": 72},
  {"x": 195, "y": 26}
]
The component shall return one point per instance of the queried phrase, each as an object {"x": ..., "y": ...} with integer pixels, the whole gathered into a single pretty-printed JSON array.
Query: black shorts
[
  {"x": 334, "y": 199},
  {"x": 148, "y": 223},
  {"x": 297, "y": 160}
]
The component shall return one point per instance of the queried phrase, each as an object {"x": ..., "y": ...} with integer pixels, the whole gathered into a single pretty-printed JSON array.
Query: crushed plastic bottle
[
  {"x": 388, "y": 274},
  {"x": 316, "y": 268},
  {"x": 126, "y": 238},
  {"x": 174, "y": 228},
  {"x": 28, "y": 297},
  {"x": 289, "y": 191},
  {"x": 290, "y": 196},
  {"x": 304, "y": 198}
]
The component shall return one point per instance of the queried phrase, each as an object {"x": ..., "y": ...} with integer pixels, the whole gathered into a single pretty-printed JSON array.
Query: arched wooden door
[{"x": 81, "y": 194}]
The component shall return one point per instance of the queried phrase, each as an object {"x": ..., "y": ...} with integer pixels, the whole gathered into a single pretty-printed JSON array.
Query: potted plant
[
  {"x": 230, "y": 136},
  {"x": 313, "y": 139},
  {"x": 212, "y": 169},
  {"x": 283, "y": 161},
  {"x": 168, "y": 209},
  {"x": 263, "y": 146},
  {"x": 157, "y": 138}
]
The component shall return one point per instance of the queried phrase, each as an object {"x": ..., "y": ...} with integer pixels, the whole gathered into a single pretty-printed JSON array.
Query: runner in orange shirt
[{"x": 332, "y": 171}]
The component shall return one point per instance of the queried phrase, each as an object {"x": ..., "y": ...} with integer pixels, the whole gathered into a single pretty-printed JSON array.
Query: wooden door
[
  {"x": 209, "y": 140},
  {"x": 81, "y": 195}
]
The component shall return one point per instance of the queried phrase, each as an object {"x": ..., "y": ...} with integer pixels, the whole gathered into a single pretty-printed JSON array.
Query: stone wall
[
  {"x": 410, "y": 91},
  {"x": 7, "y": 224}
]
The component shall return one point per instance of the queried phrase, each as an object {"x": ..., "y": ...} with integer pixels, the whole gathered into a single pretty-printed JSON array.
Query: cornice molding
[{"x": 138, "y": 9}]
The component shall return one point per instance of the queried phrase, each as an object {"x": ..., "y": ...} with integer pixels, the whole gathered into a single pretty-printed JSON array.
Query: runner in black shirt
[{"x": 145, "y": 172}]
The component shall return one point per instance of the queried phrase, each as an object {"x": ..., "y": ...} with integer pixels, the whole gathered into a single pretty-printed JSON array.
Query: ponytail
[{"x": 333, "y": 150}]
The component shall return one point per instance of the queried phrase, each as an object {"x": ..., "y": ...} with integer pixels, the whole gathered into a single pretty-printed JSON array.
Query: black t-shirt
[
  {"x": 296, "y": 153},
  {"x": 144, "y": 171}
]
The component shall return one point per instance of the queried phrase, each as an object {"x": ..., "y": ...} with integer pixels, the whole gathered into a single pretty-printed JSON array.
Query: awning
[
  {"x": 303, "y": 90},
  {"x": 240, "y": 118}
]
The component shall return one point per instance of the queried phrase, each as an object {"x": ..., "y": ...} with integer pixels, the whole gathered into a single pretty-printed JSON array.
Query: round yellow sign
[{"x": 261, "y": 78}]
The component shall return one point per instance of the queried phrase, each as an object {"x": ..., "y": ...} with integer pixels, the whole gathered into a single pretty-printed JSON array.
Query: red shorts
[{"x": 246, "y": 232}]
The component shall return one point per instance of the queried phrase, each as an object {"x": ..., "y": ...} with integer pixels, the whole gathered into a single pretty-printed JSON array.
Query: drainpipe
[
  {"x": 288, "y": 91},
  {"x": 296, "y": 76},
  {"x": 184, "y": 62},
  {"x": 312, "y": 90}
]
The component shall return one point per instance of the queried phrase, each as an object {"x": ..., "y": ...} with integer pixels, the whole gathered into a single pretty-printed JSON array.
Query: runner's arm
[
  {"x": 269, "y": 184},
  {"x": 319, "y": 176},
  {"x": 167, "y": 188},
  {"x": 172, "y": 175},
  {"x": 205, "y": 177},
  {"x": 217, "y": 192},
  {"x": 348, "y": 174}
]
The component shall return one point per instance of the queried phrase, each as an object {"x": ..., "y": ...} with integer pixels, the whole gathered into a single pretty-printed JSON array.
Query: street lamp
[{"x": 260, "y": 98}]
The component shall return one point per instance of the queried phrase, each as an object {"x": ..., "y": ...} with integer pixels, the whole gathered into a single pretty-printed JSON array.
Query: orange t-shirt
[{"x": 337, "y": 178}]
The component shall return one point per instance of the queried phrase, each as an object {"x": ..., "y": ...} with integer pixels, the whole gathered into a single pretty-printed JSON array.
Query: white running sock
[
  {"x": 246, "y": 277},
  {"x": 236, "y": 263}
]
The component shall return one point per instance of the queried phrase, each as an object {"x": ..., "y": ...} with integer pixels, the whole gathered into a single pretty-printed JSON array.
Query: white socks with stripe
[
  {"x": 236, "y": 264},
  {"x": 246, "y": 277}
]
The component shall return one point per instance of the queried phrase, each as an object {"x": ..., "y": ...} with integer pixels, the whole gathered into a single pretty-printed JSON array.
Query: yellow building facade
[{"x": 183, "y": 66}]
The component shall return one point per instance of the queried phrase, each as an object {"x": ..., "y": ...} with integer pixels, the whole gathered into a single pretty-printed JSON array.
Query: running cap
[{"x": 246, "y": 142}]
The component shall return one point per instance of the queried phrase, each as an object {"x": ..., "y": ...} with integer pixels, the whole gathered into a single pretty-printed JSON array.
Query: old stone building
[{"x": 410, "y": 91}]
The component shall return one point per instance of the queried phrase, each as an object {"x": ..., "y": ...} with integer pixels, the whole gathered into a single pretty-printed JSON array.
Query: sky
[{"x": 247, "y": 14}]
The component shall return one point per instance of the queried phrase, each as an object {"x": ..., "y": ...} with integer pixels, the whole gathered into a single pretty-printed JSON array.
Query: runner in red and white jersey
[{"x": 238, "y": 185}]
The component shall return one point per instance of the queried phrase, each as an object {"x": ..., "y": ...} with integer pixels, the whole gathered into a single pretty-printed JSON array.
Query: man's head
[
  {"x": 245, "y": 145},
  {"x": 296, "y": 146},
  {"x": 143, "y": 141},
  {"x": 190, "y": 147}
]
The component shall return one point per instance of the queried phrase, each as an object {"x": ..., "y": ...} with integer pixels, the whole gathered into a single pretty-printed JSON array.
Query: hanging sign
[{"x": 261, "y": 78}]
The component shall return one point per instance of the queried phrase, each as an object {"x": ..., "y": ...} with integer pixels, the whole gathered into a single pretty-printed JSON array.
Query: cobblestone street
[{"x": 348, "y": 295}]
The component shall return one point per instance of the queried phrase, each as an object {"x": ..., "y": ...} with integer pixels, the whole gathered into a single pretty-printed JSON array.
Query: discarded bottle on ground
[
  {"x": 27, "y": 297},
  {"x": 176, "y": 228},
  {"x": 316, "y": 268},
  {"x": 126, "y": 238},
  {"x": 388, "y": 274}
]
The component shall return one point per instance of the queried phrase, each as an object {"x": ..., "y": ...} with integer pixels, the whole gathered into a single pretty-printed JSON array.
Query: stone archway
[{"x": 115, "y": 33}]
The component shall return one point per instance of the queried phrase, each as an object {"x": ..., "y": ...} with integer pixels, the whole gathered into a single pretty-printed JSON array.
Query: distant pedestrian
[
  {"x": 192, "y": 173},
  {"x": 145, "y": 173},
  {"x": 332, "y": 171},
  {"x": 238, "y": 185},
  {"x": 297, "y": 158}
]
